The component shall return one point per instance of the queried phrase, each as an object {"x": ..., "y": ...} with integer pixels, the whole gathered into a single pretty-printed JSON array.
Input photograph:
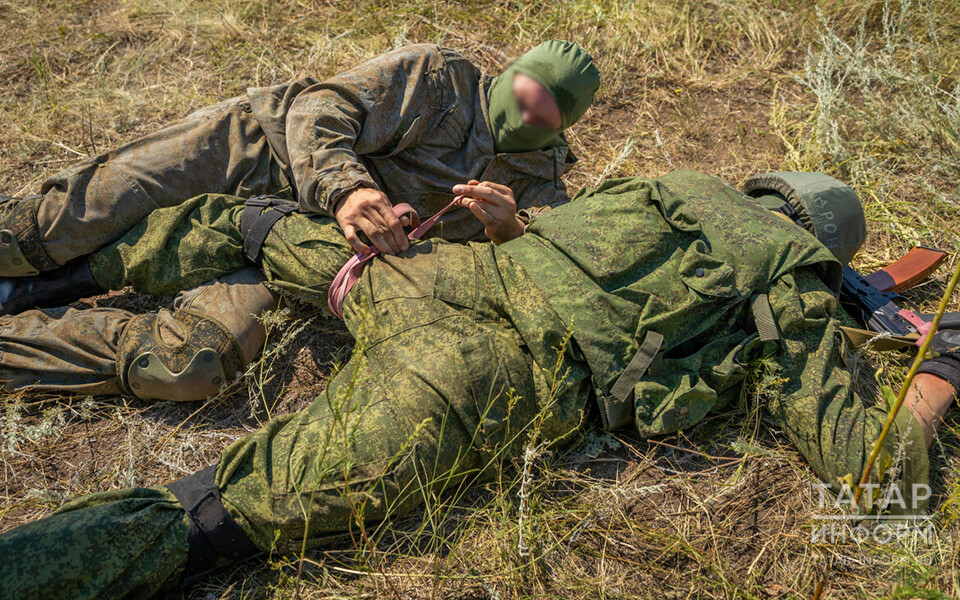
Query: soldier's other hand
[
  {"x": 493, "y": 204},
  {"x": 369, "y": 211}
]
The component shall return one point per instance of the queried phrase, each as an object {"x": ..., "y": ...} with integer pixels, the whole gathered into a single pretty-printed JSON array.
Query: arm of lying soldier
[
  {"x": 417, "y": 104},
  {"x": 832, "y": 426},
  {"x": 384, "y": 102},
  {"x": 931, "y": 395},
  {"x": 377, "y": 107}
]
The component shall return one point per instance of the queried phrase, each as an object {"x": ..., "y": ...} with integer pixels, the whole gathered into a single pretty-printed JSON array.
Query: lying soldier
[
  {"x": 402, "y": 128},
  {"x": 672, "y": 289}
]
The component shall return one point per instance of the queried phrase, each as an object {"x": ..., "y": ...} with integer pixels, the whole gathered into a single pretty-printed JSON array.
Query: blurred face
[{"x": 537, "y": 106}]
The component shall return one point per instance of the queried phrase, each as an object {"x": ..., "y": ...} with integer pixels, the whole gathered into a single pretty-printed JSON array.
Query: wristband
[{"x": 946, "y": 367}]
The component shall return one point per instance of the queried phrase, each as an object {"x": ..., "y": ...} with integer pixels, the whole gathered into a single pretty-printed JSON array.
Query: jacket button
[{"x": 699, "y": 272}]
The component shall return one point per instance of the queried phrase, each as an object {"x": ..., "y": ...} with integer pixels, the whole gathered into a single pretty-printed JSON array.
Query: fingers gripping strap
[
  {"x": 255, "y": 223},
  {"x": 213, "y": 532},
  {"x": 617, "y": 407},
  {"x": 349, "y": 274}
]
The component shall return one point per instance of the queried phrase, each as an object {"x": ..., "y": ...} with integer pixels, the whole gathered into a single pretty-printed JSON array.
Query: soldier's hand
[
  {"x": 493, "y": 204},
  {"x": 369, "y": 211}
]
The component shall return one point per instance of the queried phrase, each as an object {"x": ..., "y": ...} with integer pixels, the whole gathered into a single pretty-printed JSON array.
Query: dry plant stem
[
  {"x": 914, "y": 368},
  {"x": 872, "y": 457}
]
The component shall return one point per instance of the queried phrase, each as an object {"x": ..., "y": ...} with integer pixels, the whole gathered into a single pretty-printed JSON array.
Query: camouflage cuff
[
  {"x": 106, "y": 265},
  {"x": 22, "y": 222},
  {"x": 334, "y": 189}
]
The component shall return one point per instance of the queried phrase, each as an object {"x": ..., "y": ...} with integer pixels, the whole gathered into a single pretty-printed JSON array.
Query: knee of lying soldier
[
  {"x": 236, "y": 301},
  {"x": 177, "y": 356}
]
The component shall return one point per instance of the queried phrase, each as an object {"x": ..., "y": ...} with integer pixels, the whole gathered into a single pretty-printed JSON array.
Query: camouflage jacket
[
  {"x": 724, "y": 282},
  {"x": 413, "y": 123}
]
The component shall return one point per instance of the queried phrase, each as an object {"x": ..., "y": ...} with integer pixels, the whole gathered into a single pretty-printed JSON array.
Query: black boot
[{"x": 69, "y": 283}]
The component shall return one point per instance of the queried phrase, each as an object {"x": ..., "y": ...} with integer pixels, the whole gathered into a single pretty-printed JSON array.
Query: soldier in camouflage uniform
[
  {"x": 402, "y": 128},
  {"x": 671, "y": 288}
]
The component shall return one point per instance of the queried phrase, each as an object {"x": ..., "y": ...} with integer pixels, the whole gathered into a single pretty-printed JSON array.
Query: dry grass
[{"x": 866, "y": 89}]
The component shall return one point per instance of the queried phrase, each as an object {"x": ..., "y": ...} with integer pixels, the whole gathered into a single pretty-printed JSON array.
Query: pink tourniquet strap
[
  {"x": 349, "y": 273},
  {"x": 922, "y": 326}
]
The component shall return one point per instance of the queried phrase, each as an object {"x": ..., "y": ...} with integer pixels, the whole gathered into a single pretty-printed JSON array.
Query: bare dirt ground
[{"x": 864, "y": 90}]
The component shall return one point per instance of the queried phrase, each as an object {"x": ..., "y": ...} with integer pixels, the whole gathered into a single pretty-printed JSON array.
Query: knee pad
[{"x": 179, "y": 356}]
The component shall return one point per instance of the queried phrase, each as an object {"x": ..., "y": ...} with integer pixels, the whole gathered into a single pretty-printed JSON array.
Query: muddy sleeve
[
  {"x": 377, "y": 108},
  {"x": 834, "y": 427}
]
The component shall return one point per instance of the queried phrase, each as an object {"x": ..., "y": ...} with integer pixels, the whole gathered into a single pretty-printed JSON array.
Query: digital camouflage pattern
[
  {"x": 442, "y": 389},
  {"x": 457, "y": 347},
  {"x": 684, "y": 255},
  {"x": 412, "y": 122},
  {"x": 179, "y": 247},
  {"x": 117, "y": 544}
]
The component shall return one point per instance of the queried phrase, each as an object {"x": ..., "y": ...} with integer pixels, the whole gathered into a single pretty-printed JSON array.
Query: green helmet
[{"x": 827, "y": 208}]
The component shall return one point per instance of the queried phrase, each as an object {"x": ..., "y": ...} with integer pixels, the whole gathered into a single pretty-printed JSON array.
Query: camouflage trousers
[
  {"x": 459, "y": 363},
  {"x": 220, "y": 148},
  {"x": 194, "y": 246},
  {"x": 83, "y": 351},
  {"x": 183, "y": 246}
]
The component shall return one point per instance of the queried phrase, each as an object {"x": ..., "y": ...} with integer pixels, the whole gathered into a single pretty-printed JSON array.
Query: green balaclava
[{"x": 568, "y": 73}]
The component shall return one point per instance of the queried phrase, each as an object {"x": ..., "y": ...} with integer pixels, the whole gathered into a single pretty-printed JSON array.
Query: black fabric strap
[
  {"x": 255, "y": 223},
  {"x": 213, "y": 532},
  {"x": 946, "y": 367},
  {"x": 254, "y": 206},
  {"x": 792, "y": 213}
]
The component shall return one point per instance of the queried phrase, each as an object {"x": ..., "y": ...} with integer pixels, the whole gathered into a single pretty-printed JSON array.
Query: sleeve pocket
[{"x": 706, "y": 274}]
